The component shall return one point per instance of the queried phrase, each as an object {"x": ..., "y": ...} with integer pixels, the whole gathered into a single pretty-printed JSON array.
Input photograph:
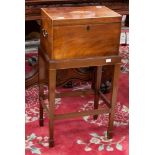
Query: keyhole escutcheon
[{"x": 88, "y": 28}]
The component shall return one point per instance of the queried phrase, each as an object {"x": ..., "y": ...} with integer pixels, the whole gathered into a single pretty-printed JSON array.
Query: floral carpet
[{"x": 83, "y": 135}]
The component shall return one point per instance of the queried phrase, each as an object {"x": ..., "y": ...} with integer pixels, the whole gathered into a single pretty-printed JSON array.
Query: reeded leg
[
  {"x": 51, "y": 96},
  {"x": 41, "y": 89},
  {"x": 113, "y": 98},
  {"x": 98, "y": 75}
]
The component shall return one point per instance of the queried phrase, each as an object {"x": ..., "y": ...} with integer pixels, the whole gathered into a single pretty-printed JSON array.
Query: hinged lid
[{"x": 81, "y": 15}]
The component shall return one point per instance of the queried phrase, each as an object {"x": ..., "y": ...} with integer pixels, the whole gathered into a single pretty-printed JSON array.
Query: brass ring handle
[{"x": 45, "y": 33}]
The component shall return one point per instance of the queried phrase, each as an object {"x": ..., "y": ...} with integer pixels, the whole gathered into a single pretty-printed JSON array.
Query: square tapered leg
[
  {"x": 51, "y": 97},
  {"x": 41, "y": 92},
  {"x": 113, "y": 98},
  {"x": 98, "y": 75}
]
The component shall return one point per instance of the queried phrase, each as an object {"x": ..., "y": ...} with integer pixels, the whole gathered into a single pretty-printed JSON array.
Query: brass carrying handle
[{"x": 45, "y": 33}]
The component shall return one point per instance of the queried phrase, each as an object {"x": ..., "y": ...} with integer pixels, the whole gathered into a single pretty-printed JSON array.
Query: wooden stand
[{"x": 47, "y": 70}]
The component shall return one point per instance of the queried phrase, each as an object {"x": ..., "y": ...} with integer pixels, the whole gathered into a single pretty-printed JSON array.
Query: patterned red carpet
[{"x": 82, "y": 135}]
